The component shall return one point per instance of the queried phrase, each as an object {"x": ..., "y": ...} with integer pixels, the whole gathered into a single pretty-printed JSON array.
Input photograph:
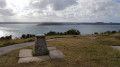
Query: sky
[{"x": 59, "y": 10}]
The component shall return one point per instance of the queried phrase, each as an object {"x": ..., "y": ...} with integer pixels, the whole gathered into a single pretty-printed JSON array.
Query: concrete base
[
  {"x": 26, "y": 55},
  {"x": 33, "y": 59},
  {"x": 51, "y": 48},
  {"x": 56, "y": 54}
]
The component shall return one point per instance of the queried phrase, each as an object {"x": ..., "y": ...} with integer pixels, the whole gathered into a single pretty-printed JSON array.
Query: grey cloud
[
  {"x": 3, "y": 10},
  {"x": 2, "y": 3},
  {"x": 99, "y": 8},
  {"x": 6, "y": 12},
  {"x": 54, "y": 4}
]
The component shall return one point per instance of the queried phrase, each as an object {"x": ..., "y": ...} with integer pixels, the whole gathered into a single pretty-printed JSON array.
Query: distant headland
[
  {"x": 74, "y": 23},
  {"x": 62, "y": 23}
]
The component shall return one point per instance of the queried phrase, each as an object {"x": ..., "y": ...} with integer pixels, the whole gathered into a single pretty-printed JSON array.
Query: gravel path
[{"x": 6, "y": 49}]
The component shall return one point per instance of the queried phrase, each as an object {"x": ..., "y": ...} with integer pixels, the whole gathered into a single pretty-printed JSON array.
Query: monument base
[
  {"x": 41, "y": 54},
  {"x": 25, "y": 55}
]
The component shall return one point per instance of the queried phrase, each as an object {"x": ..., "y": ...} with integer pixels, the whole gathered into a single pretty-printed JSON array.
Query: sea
[{"x": 16, "y": 30}]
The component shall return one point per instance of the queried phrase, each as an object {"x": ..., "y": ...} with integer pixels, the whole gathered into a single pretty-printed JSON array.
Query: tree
[
  {"x": 51, "y": 33},
  {"x": 113, "y": 32},
  {"x": 72, "y": 32}
]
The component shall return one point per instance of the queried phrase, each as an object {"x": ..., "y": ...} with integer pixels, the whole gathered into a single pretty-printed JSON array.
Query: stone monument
[
  {"x": 41, "y": 52},
  {"x": 40, "y": 47}
]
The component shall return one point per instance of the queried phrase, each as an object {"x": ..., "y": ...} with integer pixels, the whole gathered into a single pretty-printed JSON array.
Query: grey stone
[
  {"x": 51, "y": 48},
  {"x": 56, "y": 54},
  {"x": 116, "y": 47},
  {"x": 25, "y": 53},
  {"x": 40, "y": 47},
  {"x": 33, "y": 59}
]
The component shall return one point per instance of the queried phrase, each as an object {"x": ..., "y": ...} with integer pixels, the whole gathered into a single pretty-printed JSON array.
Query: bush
[
  {"x": 72, "y": 32},
  {"x": 96, "y": 33},
  {"x": 119, "y": 31},
  {"x": 27, "y": 35},
  {"x": 23, "y": 36},
  {"x": 109, "y": 32},
  {"x": 68, "y": 32},
  {"x": 51, "y": 33},
  {"x": 113, "y": 32},
  {"x": 6, "y": 38}
]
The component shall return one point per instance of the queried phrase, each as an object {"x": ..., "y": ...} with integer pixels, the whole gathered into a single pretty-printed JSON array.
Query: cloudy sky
[{"x": 59, "y": 10}]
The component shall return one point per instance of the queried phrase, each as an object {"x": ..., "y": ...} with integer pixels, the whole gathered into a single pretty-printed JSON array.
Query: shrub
[
  {"x": 96, "y": 33},
  {"x": 6, "y": 38},
  {"x": 23, "y": 36},
  {"x": 72, "y": 32},
  {"x": 113, "y": 32},
  {"x": 51, "y": 33},
  {"x": 119, "y": 31},
  {"x": 27, "y": 35},
  {"x": 68, "y": 32},
  {"x": 109, "y": 32}
]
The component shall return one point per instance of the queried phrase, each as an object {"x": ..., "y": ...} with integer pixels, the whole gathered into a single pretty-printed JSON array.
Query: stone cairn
[{"x": 40, "y": 47}]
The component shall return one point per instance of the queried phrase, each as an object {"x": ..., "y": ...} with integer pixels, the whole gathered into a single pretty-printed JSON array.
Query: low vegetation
[
  {"x": 7, "y": 40},
  {"x": 78, "y": 53},
  {"x": 108, "y": 32},
  {"x": 6, "y": 37},
  {"x": 68, "y": 32},
  {"x": 15, "y": 41},
  {"x": 27, "y": 35}
]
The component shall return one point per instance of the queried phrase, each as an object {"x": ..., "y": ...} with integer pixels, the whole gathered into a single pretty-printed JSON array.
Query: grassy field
[
  {"x": 78, "y": 53},
  {"x": 4, "y": 43}
]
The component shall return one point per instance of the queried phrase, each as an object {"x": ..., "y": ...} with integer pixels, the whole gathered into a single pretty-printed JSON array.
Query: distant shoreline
[
  {"x": 61, "y": 23},
  {"x": 98, "y": 23}
]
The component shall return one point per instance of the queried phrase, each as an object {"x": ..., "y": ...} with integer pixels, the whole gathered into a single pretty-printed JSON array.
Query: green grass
[
  {"x": 4, "y": 43},
  {"x": 8, "y": 43},
  {"x": 78, "y": 53}
]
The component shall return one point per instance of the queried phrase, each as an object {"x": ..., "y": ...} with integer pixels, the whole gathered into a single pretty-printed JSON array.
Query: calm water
[{"x": 18, "y": 29}]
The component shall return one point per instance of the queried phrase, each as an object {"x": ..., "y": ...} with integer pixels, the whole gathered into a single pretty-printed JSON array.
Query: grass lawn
[{"x": 78, "y": 53}]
